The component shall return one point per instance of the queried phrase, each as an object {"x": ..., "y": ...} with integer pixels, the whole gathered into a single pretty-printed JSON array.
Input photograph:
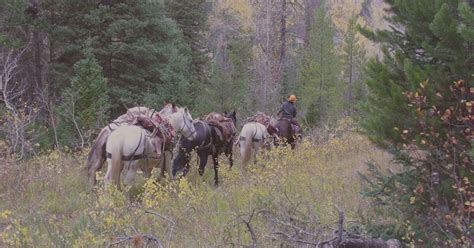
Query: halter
[{"x": 187, "y": 126}]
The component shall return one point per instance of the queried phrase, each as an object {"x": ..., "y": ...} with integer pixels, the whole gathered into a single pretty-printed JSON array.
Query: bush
[
  {"x": 283, "y": 191},
  {"x": 431, "y": 195}
]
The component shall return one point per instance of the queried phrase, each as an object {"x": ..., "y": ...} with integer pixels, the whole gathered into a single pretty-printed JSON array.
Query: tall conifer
[
  {"x": 420, "y": 101},
  {"x": 320, "y": 90}
]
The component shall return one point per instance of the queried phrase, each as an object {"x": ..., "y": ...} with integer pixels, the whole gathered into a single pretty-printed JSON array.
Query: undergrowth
[{"x": 285, "y": 196}]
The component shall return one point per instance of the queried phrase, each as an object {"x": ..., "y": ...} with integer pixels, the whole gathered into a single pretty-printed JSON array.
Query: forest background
[{"x": 400, "y": 72}]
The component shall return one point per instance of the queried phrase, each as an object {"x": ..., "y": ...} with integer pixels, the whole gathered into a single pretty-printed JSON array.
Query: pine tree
[
  {"x": 191, "y": 18},
  {"x": 320, "y": 91},
  {"x": 229, "y": 81},
  {"x": 85, "y": 103},
  {"x": 414, "y": 105},
  {"x": 353, "y": 61},
  {"x": 142, "y": 52}
]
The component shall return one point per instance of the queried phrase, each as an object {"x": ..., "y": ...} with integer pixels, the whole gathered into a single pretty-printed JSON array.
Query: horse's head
[
  {"x": 232, "y": 115},
  {"x": 169, "y": 109},
  {"x": 183, "y": 123}
]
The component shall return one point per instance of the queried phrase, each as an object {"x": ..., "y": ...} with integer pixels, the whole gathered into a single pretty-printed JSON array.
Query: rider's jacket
[{"x": 288, "y": 110}]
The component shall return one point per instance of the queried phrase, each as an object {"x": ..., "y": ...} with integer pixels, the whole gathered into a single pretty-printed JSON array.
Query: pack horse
[
  {"x": 165, "y": 124},
  {"x": 214, "y": 135}
]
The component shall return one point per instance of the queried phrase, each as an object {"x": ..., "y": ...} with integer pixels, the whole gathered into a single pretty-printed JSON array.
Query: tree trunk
[
  {"x": 283, "y": 33},
  {"x": 310, "y": 8},
  {"x": 37, "y": 44},
  {"x": 351, "y": 80}
]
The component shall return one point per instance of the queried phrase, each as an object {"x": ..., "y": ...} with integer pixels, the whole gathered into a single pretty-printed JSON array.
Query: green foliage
[
  {"x": 228, "y": 86},
  {"x": 191, "y": 18},
  {"x": 283, "y": 189},
  {"x": 142, "y": 52},
  {"x": 12, "y": 20},
  {"x": 85, "y": 103},
  {"x": 414, "y": 108},
  {"x": 320, "y": 88},
  {"x": 353, "y": 62}
]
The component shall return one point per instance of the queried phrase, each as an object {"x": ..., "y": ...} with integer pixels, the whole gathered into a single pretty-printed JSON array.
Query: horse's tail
[
  {"x": 245, "y": 148},
  {"x": 117, "y": 165},
  {"x": 96, "y": 155}
]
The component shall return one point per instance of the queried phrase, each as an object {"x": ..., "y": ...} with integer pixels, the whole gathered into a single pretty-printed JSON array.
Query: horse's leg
[
  {"x": 113, "y": 174},
  {"x": 256, "y": 147},
  {"x": 292, "y": 142},
  {"x": 229, "y": 155},
  {"x": 181, "y": 162},
  {"x": 167, "y": 163},
  {"x": 97, "y": 156},
  {"x": 203, "y": 156},
  {"x": 93, "y": 168},
  {"x": 131, "y": 172},
  {"x": 108, "y": 174},
  {"x": 145, "y": 167},
  {"x": 216, "y": 167}
]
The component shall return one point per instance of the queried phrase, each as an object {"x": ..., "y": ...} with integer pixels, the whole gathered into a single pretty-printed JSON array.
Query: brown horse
[
  {"x": 214, "y": 136},
  {"x": 288, "y": 133}
]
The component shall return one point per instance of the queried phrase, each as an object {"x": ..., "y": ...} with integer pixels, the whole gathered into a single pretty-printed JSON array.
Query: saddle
[
  {"x": 294, "y": 128},
  {"x": 264, "y": 120},
  {"x": 225, "y": 126},
  {"x": 150, "y": 120}
]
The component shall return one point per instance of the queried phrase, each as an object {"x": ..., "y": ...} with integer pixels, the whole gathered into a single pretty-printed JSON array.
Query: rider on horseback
[{"x": 288, "y": 111}]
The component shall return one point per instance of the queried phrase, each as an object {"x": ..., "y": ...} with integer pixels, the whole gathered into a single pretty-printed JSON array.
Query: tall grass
[{"x": 284, "y": 197}]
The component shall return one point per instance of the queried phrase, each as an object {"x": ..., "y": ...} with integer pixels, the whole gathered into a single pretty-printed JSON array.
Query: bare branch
[
  {"x": 173, "y": 224},
  {"x": 148, "y": 237}
]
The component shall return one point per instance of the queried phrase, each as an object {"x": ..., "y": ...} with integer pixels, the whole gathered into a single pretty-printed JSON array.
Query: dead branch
[
  {"x": 138, "y": 239},
  {"x": 173, "y": 224},
  {"x": 293, "y": 239},
  {"x": 294, "y": 233},
  {"x": 12, "y": 90},
  {"x": 250, "y": 228}
]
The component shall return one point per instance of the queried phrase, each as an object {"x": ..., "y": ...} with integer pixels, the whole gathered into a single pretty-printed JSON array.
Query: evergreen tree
[
  {"x": 142, "y": 53},
  {"x": 320, "y": 91},
  {"x": 229, "y": 82},
  {"x": 84, "y": 104},
  {"x": 413, "y": 103},
  {"x": 191, "y": 18},
  {"x": 353, "y": 61}
]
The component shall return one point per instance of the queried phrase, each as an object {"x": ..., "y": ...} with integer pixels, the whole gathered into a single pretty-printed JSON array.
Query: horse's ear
[
  {"x": 186, "y": 110},
  {"x": 234, "y": 113},
  {"x": 174, "y": 109}
]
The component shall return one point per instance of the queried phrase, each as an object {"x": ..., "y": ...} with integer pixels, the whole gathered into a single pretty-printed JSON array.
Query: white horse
[
  {"x": 252, "y": 138},
  {"x": 129, "y": 147},
  {"x": 179, "y": 118},
  {"x": 182, "y": 121}
]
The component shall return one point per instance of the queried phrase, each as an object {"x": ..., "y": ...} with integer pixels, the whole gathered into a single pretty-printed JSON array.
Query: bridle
[{"x": 188, "y": 127}]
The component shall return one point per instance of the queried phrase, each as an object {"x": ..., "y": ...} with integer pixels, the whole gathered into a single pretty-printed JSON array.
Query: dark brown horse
[
  {"x": 210, "y": 140},
  {"x": 288, "y": 132}
]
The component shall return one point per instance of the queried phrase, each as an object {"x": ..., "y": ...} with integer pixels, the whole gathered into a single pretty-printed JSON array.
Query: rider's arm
[{"x": 281, "y": 110}]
